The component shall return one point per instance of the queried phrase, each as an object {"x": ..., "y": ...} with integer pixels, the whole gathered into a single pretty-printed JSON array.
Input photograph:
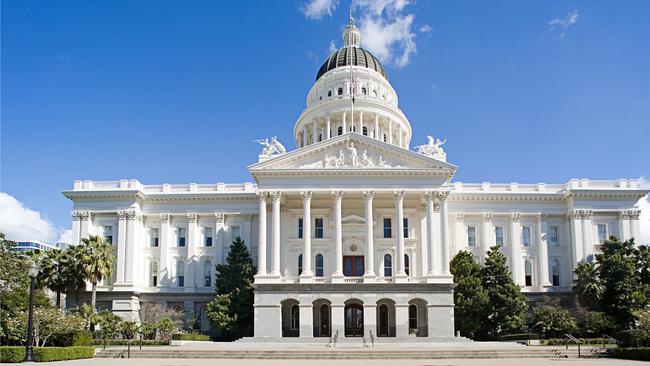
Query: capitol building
[{"x": 352, "y": 231}]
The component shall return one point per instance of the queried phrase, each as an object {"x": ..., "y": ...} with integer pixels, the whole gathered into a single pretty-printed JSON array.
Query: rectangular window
[
  {"x": 108, "y": 233},
  {"x": 553, "y": 237},
  {"x": 181, "y": 237},
  {"x": 235, "y": 233},
  {"x": 498, "y": 236},
  {"x": 526, "y": 235},
  {"x": 181, "y": 281},
  {"x": 388, "y": 229},
  {"x": 602, "y": 233},
  {"x": 529, "y": 280},
  {"x": 154, "y": 235},
  {"x": 207, "y": 236},
  {"x": 154, "y": 281},
  {"x": 319, "y": 228},
  {"x": 300, "y": 228},
  {"x": 471, "y": 236},
  {"x": 406, "y": 228}
]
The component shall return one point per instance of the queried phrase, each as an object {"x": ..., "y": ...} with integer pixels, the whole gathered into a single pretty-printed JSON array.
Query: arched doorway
[
  {"x": 385, "y": 318},
  {"x": 290, "y": 318},
  {"x": 418, "y": 318},
  {"x": 322, "y": 316},
  {"x": 354, "y": 320}
]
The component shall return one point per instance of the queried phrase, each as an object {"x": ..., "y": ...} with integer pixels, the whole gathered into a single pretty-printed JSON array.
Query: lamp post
[{"x": 33, "y": 272}]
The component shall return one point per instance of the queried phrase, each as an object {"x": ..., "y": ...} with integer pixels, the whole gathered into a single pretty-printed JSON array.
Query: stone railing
[
  {"x": 89, "y": 185},
  {"x": 488, "y": 187}
]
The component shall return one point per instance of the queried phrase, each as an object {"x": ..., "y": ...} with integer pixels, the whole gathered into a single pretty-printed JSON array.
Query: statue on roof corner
[
  {"x": 274, "y": 147},
  {"x": 432, "y": 147}
]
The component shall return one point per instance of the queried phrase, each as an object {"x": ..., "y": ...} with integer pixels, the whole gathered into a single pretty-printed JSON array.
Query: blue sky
[{"x": 174, "y": 91}]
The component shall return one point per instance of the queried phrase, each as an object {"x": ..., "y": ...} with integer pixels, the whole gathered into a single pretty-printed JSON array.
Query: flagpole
[{"x": 351, "y": 22}]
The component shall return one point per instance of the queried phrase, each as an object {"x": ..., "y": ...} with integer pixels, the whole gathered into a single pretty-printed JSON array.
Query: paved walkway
[{"x": 466, "y": 362}]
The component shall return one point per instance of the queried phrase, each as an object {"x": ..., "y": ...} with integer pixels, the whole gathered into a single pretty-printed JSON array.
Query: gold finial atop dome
[{"x": 351, "y": 35}]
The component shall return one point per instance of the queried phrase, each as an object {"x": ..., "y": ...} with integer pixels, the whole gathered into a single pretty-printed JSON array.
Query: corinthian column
[
  {"x": 515, "y": 249},
  {"x": 261, "y": 250},
  {"x": 338, "y": 235},
  {"x": 399, "y": 216},
  {"x": 433, "y": 268},
  {"x": 306, "y": 234},
  {"x": 275, "y": 260},
  {"x": 444, "y": 231},
  {"x": 543, "y": 252},
  {"x": 370, "y": 249}
]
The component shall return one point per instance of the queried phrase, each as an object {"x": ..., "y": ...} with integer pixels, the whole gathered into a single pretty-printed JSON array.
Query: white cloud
[
  {"x": 386, "y": 30},
  {"x": 425, "y": 29},
  {"x": 332, "y": 47},
  {"x": 562, "y": 24},
  {"x": 317, "y": 9},
  {"x": 644, "y": 218},
  {"x": 20, "y": 223},
  {"x": 65, "y": 237}
]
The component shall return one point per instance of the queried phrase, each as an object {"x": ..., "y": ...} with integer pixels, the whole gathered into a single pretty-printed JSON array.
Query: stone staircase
[{"x": 349, "y": 354}]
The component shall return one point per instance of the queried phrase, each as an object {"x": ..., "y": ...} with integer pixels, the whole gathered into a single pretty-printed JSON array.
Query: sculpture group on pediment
[
  {"x": 349, "y": 158},
  {"x": 432, "y": 147},
  {"x": 271, "y": 148}
]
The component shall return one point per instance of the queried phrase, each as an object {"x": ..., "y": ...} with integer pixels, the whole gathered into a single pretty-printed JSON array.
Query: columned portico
[
  {"x": 261, "y": 241},
  {"x": 275, "y": 260},
  {"x": 399, "y": 217},
  {"x": 370, "y": 246},
  {"x": 306, "y": 235},
  {"x": 433, "y": 268},
  {"x": 338, "y": 236}
]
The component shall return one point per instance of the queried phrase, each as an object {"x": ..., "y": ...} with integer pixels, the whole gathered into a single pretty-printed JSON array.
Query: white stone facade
[{"x": 352, "y": 232}]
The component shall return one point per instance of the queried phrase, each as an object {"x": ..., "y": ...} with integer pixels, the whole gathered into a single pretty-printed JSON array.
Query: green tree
[
  {"x": 232, "y": 309},
  {"x": 623, "y": 292},
  {"x": 470, "y": 297},
  {"x": 59, "y": 271},
  {"x": 642, "y": 255},
  {"x": 86, "y": 313},
  {"x": 587, "y": 285},
  {"x": 506, "y": 304},
  {"x": 95, "y": 255},
  {"x": 129, "y": 331},
  {"x": 166, "y": 327},
  {"x": 550, "y": 322},
  {"x": 108, "y": 325}
]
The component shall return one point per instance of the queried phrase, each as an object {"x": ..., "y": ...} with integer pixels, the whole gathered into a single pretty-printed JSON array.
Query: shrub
[
  {"x": 633, "y": 338},
  {"x": 69, "y": 339},
  {"x": 639, "y": 354},
  {"x": 519, "y": 337},
  {"x": 597, "y": 323},
  {"x": 563, "y": 341},
  {"x": 191, "y": 337},
  {"x": 12, "y": 354},
  {"x": 48, "y": 354},
  {"x": 552, "y": 322}
]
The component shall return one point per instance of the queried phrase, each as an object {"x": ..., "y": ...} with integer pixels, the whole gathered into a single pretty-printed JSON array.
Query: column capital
[
  {"x": 398, "y": 195},
  {"x": 436, "y": 207},
  {"x": 442, "y": 195},
  {"x": 122, "y": 215},
  {"x": 429, "y": 195},
  {"x": 275, "y": 195},
  {"x": 460, "y": 216},
  {"x": 192, "y": 217},
  {"x": 306, "y": 195},
  {"x": 80, "y": 215},
  {"x": 165, "y": 218},
  {"x": 487, "y": 216},
  {"x": 368, "y": 195},
  {"x": 262, "y": 195},
  {"x": 219, "y": 217},
  {"x": 133, "y": 214},
  {"x": 337, "y": 195},
  {"x": 633, "y": 214},
  {"x": 515, "y": 216}
]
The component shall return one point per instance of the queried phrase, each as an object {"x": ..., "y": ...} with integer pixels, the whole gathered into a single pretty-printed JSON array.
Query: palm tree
[
  {"x": 52, "y": 276},
  {"x": 587, "y": 284},
  {"x": 95, "y": 255}
]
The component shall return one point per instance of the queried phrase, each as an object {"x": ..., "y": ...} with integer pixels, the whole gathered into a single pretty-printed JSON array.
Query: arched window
[
  {"x": 374, "y": 93},
  {"x": 340, "y": 91},
  {"x": 299, "y": 265},
  {"x": 388, "y": 265},
  {"x": 340, "y": 131},
  {"x": 528, "y": 269},
  {"x": 407, "y": 264},
  {"x": 365, "y": 131},
  {"x": 555, "y": 272},
  {"x": 180, "y": 273},
  {"x": 364, "y": 91},
  {"x": 320, "y": 137},
  {"x": 207, "y": 274},
  {"x": 295, "y": 317},
  {"x": 329, "y": 93},
  {"x": 153, "y": 273},
  {"x": 319, "y": 265},
  {"x": 385, "y": 138},
  {"x": 413, "y": 317}
]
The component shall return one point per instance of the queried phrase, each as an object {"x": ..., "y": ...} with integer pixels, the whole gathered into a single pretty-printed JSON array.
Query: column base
[
  {"x": 337, "y": 278},
  {"x": 306, "y": 278}
]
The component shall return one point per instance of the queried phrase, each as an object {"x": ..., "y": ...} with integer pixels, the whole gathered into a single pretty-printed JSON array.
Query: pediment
[
  {"x": 353, "y": 220},
  {"x": 352, "y": 153}
]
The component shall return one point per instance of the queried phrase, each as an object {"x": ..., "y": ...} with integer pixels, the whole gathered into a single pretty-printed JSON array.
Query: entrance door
[
  {"x": 354, "y": 320},
  {"x": 383, "y": 320},
  {"x": 324, "y": 321},
  {"x": 353, "y": 265}
]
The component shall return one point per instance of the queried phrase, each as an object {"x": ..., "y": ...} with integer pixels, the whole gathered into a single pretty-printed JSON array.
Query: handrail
[
  {"x": 573, "y": 339},
  {"x": 610, "y": 338}
]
